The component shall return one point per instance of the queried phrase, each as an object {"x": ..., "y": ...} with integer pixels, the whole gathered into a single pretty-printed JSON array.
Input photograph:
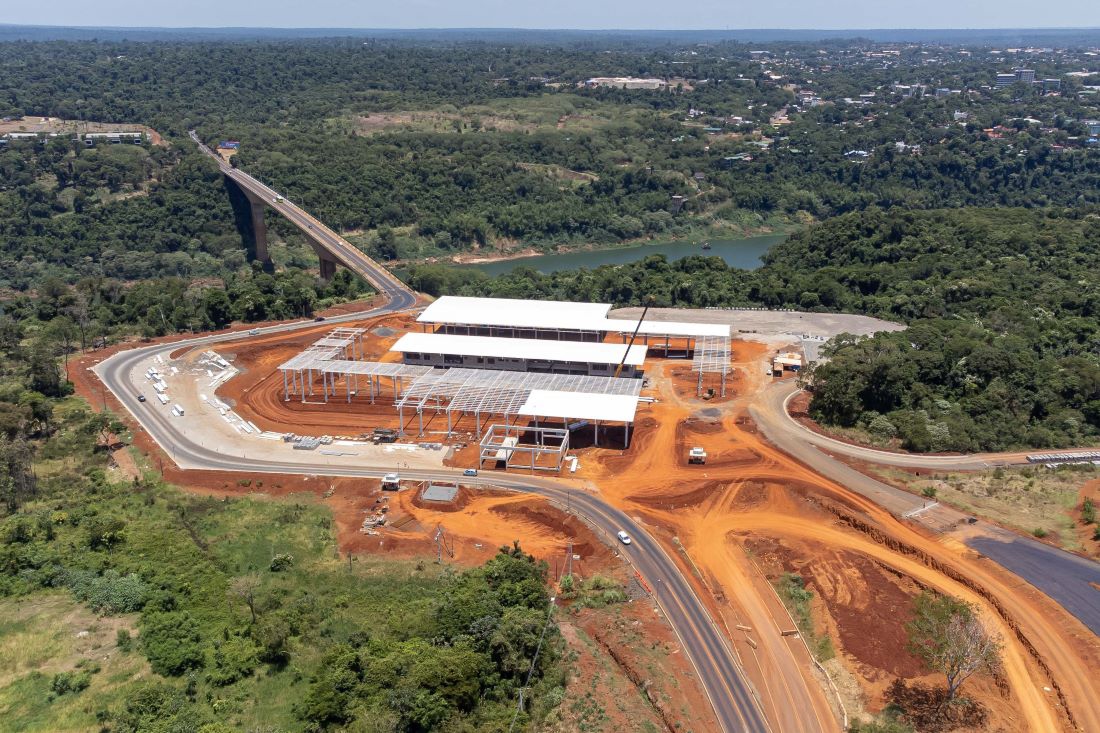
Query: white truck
[{"x": 697, "y": 455}]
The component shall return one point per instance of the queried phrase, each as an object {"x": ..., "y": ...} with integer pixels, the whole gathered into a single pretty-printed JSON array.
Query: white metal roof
[
  {"x": 579, "y": 406},
  {"x": 551, "y": 314},
  {"x": 515, "y": 313},
  {"x": 582, "y": 352}
]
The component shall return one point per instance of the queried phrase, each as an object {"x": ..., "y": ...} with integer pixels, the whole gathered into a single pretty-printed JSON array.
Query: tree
[
  {"x": 244, "y": 589},
  {"x": 948, "y": 635},
  {"x": 17, "y": 478},
  {"x": 386, "y": 244},
  {"x": 63, "y": 332},
  {"x": 43, "y": 372}
]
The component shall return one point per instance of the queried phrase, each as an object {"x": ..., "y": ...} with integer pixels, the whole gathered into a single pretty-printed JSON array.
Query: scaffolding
[{"x": 339, "y": 346}]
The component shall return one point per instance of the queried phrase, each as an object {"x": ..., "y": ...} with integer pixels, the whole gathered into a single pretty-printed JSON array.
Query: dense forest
[
  {"x": 424, "y": 150},
  {"x": 1003, "y": 308},
  {"x": 467, "y": 145}
]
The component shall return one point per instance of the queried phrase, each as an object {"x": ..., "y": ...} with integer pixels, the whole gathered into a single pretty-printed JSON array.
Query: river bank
[{"x": 743, "y": 253}]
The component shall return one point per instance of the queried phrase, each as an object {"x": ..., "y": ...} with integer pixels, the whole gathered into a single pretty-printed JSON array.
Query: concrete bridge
[{"x": 331, "y": 248}]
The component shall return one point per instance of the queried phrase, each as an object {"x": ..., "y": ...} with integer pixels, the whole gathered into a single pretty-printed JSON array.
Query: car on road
[
  {"x": 319, "y": 318},
  {"x": 254, "y": 332},
  {"x": 470, "y": 472},
  {"x": 141, "y": 398},
  {"x": 623, "y": 537}
]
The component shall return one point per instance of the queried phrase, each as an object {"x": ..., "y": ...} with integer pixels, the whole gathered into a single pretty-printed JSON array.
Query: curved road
[
  {"x": 1071, "y": 580},
  {"x": 735, "y": 703},
  {"x": 777, "y": 397}
]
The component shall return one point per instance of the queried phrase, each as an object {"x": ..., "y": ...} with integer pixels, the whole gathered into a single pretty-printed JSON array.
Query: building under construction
[{"x": 548, "y": 367}]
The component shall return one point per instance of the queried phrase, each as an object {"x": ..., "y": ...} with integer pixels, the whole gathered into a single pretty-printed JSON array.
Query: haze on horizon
[{"x": 563, "y": 14}]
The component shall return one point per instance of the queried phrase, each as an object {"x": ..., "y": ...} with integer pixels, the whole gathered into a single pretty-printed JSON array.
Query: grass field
[
  {"x": 1031, "y": 499},
  {"x": 563, "y": 111}
]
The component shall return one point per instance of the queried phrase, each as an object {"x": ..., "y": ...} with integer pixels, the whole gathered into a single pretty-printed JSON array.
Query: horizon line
[{"x": 543, "y": 29}]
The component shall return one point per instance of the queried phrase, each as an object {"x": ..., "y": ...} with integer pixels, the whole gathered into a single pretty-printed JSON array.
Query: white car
[{"x": 623, "y": 537}]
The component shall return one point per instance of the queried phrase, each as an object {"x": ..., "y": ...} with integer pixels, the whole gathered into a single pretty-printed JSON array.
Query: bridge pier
[
  {"x": 254, "y": 216},
  {"x": 328, "y": 265},
  {"x": 259, "y": 231}
]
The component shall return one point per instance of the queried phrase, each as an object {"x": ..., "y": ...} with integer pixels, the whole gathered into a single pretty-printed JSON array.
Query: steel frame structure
[
  {"x": 712, "y": 356},
  {"x": 496, "y": 435},
  {"x": 487, "y": 392}
]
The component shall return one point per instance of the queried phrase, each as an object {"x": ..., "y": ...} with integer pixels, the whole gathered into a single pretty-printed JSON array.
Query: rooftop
[
  {"x": 515, "y": 313},
  {"x": 553, "y": 314},
  {"x": 579, "y": 406}
]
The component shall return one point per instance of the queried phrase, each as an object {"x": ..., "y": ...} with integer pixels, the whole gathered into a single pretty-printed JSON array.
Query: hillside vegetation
[
  {"x": 219, "y": 615},
  {"x": 1003, "y": 308}
]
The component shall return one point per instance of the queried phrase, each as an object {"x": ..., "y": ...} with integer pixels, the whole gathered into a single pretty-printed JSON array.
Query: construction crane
[{"x": 648, "y": 302}]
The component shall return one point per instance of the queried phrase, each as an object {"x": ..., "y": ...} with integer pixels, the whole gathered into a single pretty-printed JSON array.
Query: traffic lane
[
  {"x": 1072, "y": 581},
  {"x": 1062, "y": 576},
  {"x": 733, "y": 701},
  {"x": 778, "y": 396}
]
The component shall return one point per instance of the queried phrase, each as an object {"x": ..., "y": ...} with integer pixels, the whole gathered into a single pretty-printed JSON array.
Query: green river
[{"x": 741, "y": 253}]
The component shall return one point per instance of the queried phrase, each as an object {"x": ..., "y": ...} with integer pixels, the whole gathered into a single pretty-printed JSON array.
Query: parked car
[{"x": 624, "y": 537}]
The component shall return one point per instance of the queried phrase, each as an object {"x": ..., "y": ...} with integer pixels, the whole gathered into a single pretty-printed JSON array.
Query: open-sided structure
[
  {"x": 704, "y": 343},
  {"x": 521, "y": 395},
  {"x": 520, "y": 354},
  {"x": 536, "y": 370},
  {"x": 524, "y": 446}
]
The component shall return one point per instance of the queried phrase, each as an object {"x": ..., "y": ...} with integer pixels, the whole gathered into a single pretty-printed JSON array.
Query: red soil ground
[{"x": 860, "y": 561}]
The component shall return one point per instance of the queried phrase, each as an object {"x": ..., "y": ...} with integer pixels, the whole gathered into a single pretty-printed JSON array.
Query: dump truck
[{"x": 697, "y": 455}]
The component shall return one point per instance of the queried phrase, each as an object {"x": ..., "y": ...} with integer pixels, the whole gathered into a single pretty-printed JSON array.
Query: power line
[{"x": 534, "y": 660}]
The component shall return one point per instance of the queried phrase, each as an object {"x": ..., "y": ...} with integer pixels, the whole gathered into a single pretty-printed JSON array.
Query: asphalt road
[
  {"x": 735, "y": 703},
  {"x": 783, "y": 392},
  {"x": 1072, "y": 581}
]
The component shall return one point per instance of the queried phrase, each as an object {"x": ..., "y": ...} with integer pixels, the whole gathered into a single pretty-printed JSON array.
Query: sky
[{"x": 580, "y": 14}]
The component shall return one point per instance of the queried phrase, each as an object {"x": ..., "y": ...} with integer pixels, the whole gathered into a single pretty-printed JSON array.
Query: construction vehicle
[
  {"x": 697, "y": 455},
  {"x": 384, "y": 435},
  {"x": 391, "y": 482}
]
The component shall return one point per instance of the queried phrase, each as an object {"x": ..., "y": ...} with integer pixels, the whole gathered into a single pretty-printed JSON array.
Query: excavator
[{"x": 648, "y": 302}]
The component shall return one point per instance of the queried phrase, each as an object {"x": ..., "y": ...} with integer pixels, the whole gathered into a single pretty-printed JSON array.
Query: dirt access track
[{"x": 752, "y": 501}]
